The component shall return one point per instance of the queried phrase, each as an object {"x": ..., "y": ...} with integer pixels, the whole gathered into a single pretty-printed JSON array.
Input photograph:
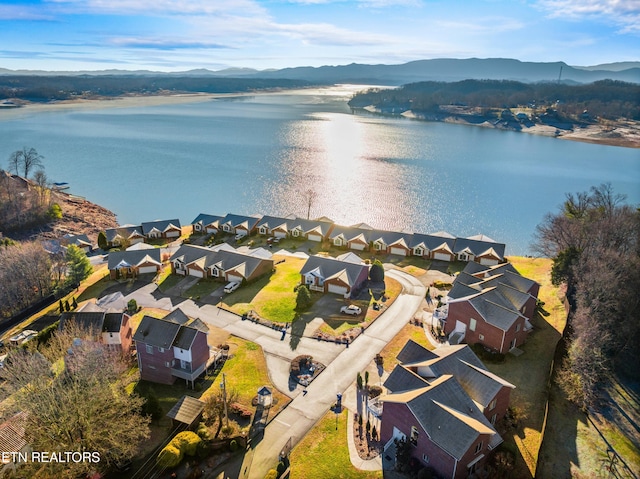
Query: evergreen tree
[
  {"x": 78, "y": 266},
  {"x": 376, "y": 273},
  {"x": 303, "y": 298},
  {"x": 102, "y": 241}
]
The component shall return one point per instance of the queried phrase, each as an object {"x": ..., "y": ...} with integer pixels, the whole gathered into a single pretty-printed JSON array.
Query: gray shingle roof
[
  {"x": 329, "y": 267},
  {"x": 206, "y": 219},
  {"x": 186, "y": 410},
  {"x": 124, "y": 231},
  {"x": 132, "y": 257},
  {"x": 478, "y": 247},
  {"x": 237, "y": 220},
  {"x": 185, "y": 337},
  {"x": 160, "y": 225},
  {"x": 112, "y": 322},
  {"x": 91, "y": 320},
  {"x": 306, "y": 226},
  {"x": 403, "y": 379},
  {"x": 413, "y": 352},
  {"x": 156, "y": 332},
  {"x": 222, "y": 258}
]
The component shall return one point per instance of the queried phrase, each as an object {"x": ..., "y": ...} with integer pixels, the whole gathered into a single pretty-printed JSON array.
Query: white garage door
[
  {"x": 280, "y": 234},
  {"x": 148, "y": 269},
  {"x": 196, "y": 272},
  {"x": 442, "y": 256},
  {"x": 212, "y": 230},
  {"x": 173, "y": 234},
  {"x": 314, "y": 237},
  {"x": 334, "y": 288},
  {"x": 234, "y": 277},
  {"x": 488, "y": 262},
  {"x": 357, "y": 246},
  {"x": 398, "y": 251}
]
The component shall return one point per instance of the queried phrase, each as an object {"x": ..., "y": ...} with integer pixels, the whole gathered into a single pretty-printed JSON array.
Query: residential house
[
  {"x": 239, "y": 225},
  {"x": 274, "y": 226},
  {"x": 445, "y": 404},
  {"x": 342, "y": 275},
  {"x": 438, "y": 246},
  {"x": 491, "y": 305},
  {"x": 112, "y": 329},
  {"x": 313, "y": 230},
  {"x": 81, "y": 241},
  {"x": 391, "y": 242},
  {"x": 16, "y": 450},
  {"x": 168, "y": 350},
  {"x": 131, "y": 263},
  {"x": 162, "y": 229},
  {"x": 222, "y": 262},
  {"x": 479, "y": 248},
  {"x": 354, "y": 237},
  {"x": 204, "y": 223},
  {"x": 124, "y": 235}
]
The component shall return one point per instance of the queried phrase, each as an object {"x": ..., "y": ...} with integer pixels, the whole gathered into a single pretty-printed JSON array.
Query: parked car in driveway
[
  {"x": 231, "y": 287},
  {"x": 351, "y": 310}
]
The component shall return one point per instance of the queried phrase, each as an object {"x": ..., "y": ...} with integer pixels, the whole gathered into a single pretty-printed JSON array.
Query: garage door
[
  {"x": 488, "y": 262},
  {"x": 148, "y": 269},
  {"x": 173, "y": 234},
  {"x": 212, "y": 230},
  {"x": 398, "y": 251},
  {"x": 442, "y": 256},
  {"x": 234, "y": 277},
  {"x": 314, "y": 237},
  {"x": 334, "y": 288},
  {"x": 357, "y": 246},
  {"x": 196, "y": 272}
]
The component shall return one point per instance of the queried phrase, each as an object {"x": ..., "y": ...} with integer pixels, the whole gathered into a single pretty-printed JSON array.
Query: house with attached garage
[
  {"x": 121, "y": 235},
  {"x": 222, "y": 262},
  {"x": 438, "y": 246},
  {"x": 172, "y": 348},
  {"x": 208, "y": 224},
  {"x": 490, "y": 305},
  {"x": 312, "y": 230},
  {"x": 354, "y": 237},
  {"x": 239, "y": 225},
  {"x": 162, "y": 229},
  {"x": 345, "y": 275},
  {"x": 131, "y": 263},
  {"x": 274, "y": 226},
  {"x": 391, "y": 242},
  {"x": 445, "y": 404},
  {"x": 479, "y": 248}
]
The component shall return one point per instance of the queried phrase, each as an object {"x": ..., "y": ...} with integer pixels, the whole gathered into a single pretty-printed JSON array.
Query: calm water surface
[{"x": 261, "y": 154}]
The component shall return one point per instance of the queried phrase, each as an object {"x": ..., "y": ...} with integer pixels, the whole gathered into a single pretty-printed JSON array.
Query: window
[
  {"x": 167, "y": 364},
  {"x": 472, "y": 324},
  {"x": 524, "y": 309},
  {"x": 478, "y": 447},
  {"x": 492, "y": 404},
  {"x": 493, "y": 419},
  {"x": 149, "y": 349},
  {"x": 425, "y": 458},
  {"x": 377, "y": 246},
  {"x": 161, "y": 350},
  {"x": 295, "y": 233},
  {"x": 481, "y": 337},
  {"x": 418, "y": 252},
  {"x": 414, "y": 436},
  {"x": 517, "y": 327}
]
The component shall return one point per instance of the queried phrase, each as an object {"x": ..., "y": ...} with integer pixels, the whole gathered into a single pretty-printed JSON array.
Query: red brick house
[
  {"x": 112, "y": 329},
  {"x": 345, "y": 275},
  {"x": 490, "y": 305},
  {"x": 168, "y": 350},
  {"x": 445, "y": 404}
]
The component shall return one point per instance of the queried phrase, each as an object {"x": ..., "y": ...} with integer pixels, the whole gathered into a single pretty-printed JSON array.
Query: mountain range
[{"x": 443, "y": 69}]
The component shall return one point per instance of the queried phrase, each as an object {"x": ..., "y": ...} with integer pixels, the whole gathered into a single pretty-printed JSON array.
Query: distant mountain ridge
[{"x": 442, "y": 69}]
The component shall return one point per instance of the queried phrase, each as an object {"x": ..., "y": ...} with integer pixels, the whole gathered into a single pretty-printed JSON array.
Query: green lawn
[
  {"x": 324, "y": 453},
  {"x": 166, "y": 280},
  {"x": 202, "y": 288},
  {"x": 272, "y": 298}
]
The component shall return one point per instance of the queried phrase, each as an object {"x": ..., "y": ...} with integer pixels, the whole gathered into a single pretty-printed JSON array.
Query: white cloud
[
  {"x": 624, "y": 13},
  {"x": 158, "y": 7},
  {"x": 23, "y": 12}
]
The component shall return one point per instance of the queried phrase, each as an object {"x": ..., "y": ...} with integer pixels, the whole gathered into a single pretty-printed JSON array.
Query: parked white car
[
  {"x": 231, "y": 287},
  {"x": 351, "y": 310}
]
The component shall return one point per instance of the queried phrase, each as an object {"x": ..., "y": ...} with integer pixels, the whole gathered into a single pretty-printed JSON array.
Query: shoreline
[{"x": 623, "y": 133}]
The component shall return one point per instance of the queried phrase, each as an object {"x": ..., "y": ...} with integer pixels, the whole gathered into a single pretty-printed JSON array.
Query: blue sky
[{"x": 176, "y": 35}]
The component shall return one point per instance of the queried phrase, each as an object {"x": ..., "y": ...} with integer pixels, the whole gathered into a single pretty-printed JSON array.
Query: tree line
[
  {"x": 48, "y": 88},
  {"x": 594, "y": 243},
  {"x": 606, "y": 98}
]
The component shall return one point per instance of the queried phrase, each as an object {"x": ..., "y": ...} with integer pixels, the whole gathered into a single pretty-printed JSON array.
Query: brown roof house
[
  {"x": 172, "y": 347},
  {"x": 490, "y": 305},
  {"x": 444, "y": 404}
]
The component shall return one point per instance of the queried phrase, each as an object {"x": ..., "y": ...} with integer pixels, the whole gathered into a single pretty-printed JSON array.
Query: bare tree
[
  {"x": 25, "y": 160},
  {"x": 42, "y": 185},
  {"x": 83, "y": 408},
  {"x": 310, "y": 196},
  {"x": 214, "y": 407}
]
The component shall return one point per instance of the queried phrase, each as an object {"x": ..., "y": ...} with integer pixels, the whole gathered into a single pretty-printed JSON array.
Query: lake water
[{"x": 260, "y": 154}]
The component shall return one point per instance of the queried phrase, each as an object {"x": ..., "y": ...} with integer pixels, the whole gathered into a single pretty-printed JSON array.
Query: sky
[{"x": 179, "y": 35}]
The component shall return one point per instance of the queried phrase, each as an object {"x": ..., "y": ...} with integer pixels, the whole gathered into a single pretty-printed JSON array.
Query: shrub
[
  {"x": 187, "y": 442},
  {"x": 303, "y": 298},
  {"x": 281, "y": 468},
  {"x": 226, "y": 430},
  {"x": 151, "y": 407},
  {"x": 170, "y": 456},
  {"x": 54, "y": 212},
  {"x": 204, "y": 449},
  {"x": 203, "y": 431},
  {"x": 375, "y": 391},
  {"x": 233, "y": 445},
  {"x": 272, "y": 474},
  {"x": 376, "y": 273},
  {"x": 132, "y": 306}
]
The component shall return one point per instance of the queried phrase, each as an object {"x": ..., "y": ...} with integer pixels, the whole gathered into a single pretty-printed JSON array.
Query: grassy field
[
  {"x": 323, "y": 453},
  {"x": 272, "y": 298},
  {"x": 391, "y": 350},
  {"x": 530, "y": 371}
]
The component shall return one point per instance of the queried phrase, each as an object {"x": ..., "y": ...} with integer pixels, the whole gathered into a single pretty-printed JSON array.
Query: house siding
[
  {"x": 199, "y": 350},
  {"x": 493, "y": 336},
  {"x": 153, "y": 366},
  {"x": 502, "y": 404}
]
